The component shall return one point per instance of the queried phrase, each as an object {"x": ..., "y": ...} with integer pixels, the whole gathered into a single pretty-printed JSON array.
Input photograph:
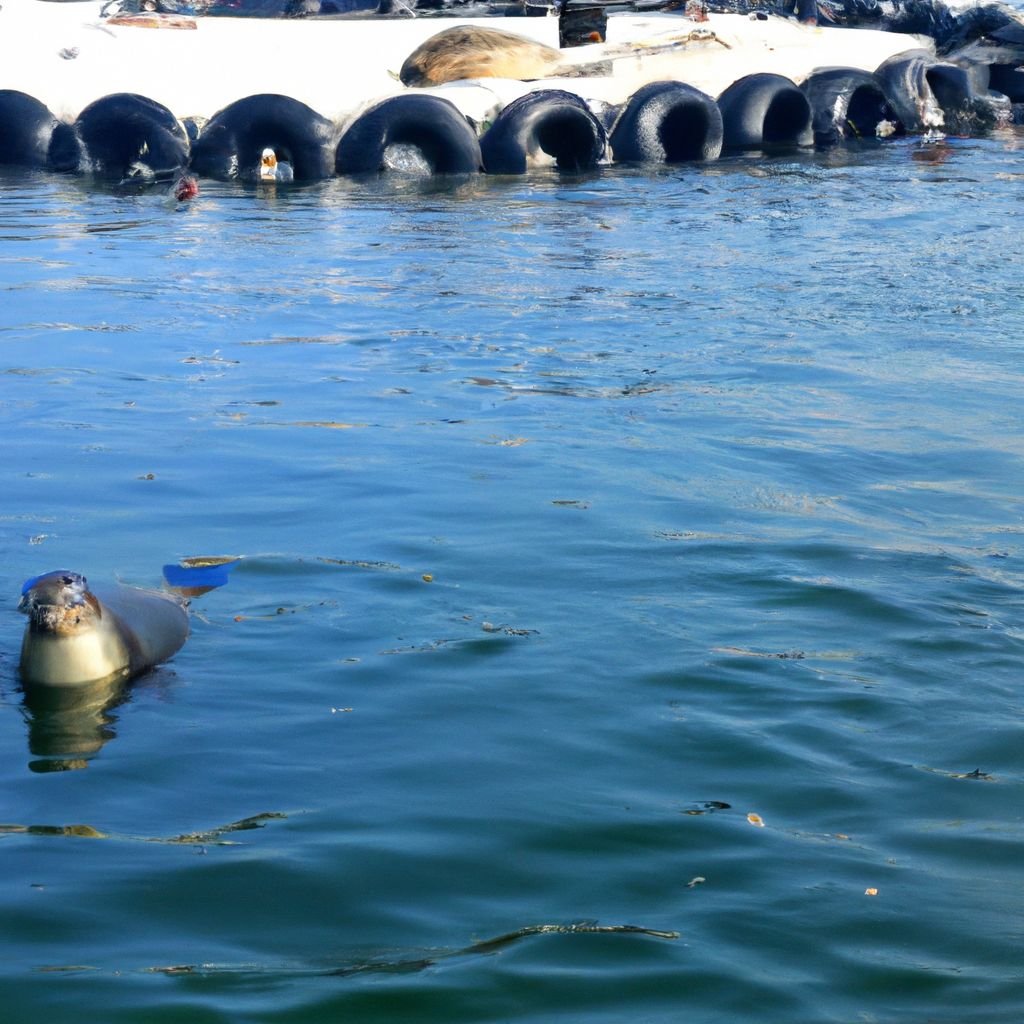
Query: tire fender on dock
[
  {"x": 126, "y": 135},
  {"x": 433, "y": 127},
  {"x": 30, "y": 135},
  {"x": 668, "y": 122},
  {"x": 232, "y": 142},
  {"x": 765, "y": 110},
  {"x": 1007, "y": 79},
  {"x": 847, "y": 103},
  {"x": 544, "y": 127},
  {"x": 924, "y": 92}
]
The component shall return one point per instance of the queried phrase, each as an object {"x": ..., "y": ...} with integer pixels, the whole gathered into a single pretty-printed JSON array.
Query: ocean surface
[{"x": 630, "y": 614}]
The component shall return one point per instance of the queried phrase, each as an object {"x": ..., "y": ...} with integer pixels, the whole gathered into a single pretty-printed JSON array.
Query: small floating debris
[
  {"x": 871, "y": 892},
  {"x": 583, "y": 927},
  {"x": 82, "y": 831},
  {"x": 323, "y": 339},
  {"x": 746, "y": 652},
  {"x": 282, "y": 610},
  {"x": 401, "y": 964},
  {"x": 211, "y": 837},
  {"x": 695, "y": 881},
  {"x": 976, "y": 775},
  {"x": 707, "y": 807},
  {"x": 64, "y": 968},
  {"x": 431, "y": 645},
  {"x": 756, "y": 819},
  {"x": 323, "y": 424},
  {"x": 571, "y": 503},
  {"x": 636, "y": 390},
  {"x": 185, "y": 188},
  {"x": 360, "y": 563},
  {"x": 488, "y": 627},
  {"x": 211, "y": 360},
  {"x": 506, "y": 442},
  {"x": 208, "y": 561}
]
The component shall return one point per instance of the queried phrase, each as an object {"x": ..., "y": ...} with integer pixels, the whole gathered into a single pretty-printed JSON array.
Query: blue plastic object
[{"x": 198, "y": 575}]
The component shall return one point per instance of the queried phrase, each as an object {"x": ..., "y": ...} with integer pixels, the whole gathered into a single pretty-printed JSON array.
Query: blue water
[{"x": 570, "y": 510}]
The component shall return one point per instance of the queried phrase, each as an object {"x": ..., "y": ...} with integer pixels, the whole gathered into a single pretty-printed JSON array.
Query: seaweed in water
[{"x": 213, "y": 837}]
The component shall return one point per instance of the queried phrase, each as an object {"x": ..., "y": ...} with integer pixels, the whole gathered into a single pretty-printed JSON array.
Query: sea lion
[
  {"x": 467, "y": 51},
  {"x": 78, "y": 635}
]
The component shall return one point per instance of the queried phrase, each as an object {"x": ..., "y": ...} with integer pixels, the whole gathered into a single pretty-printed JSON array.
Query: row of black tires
[{"x": 125, "y": 134}]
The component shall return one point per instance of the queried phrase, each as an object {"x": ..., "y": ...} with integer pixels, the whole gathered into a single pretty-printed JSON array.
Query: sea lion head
[{"x": 59, "y": 602}]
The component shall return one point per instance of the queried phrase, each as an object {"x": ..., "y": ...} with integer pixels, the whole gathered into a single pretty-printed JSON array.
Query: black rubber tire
[
  {"x": 125, "y": 129},
  {"x": 550, "y": 121},
  {"x": 231, "y": 142},
  {"x": 1007, "y": 79},
  {"x": 193, "y": 126},
  {"x": 26, "y": 130},
  {"x": 667, "y": 123},
  {"x": 846, "y": 103},
  {"x": 430, "y": 124},
  {"x": 915, "y": 81},
  {"x": 765, "y": 110}
]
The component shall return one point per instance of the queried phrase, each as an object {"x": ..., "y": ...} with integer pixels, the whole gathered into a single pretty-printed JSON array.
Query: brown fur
[{"x": 471, "y": 52}]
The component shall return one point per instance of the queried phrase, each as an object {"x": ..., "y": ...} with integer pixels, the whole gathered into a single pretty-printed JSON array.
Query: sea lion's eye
[{"x": 67, "y": 580}]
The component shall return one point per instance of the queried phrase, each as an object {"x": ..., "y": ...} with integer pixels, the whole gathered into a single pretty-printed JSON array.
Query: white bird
[{"x": 271, "y": 169}]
